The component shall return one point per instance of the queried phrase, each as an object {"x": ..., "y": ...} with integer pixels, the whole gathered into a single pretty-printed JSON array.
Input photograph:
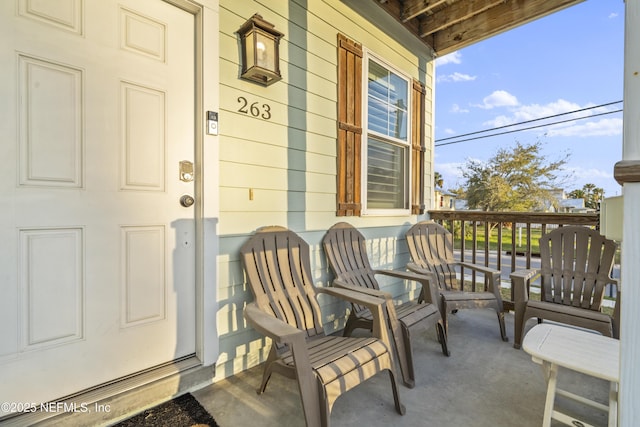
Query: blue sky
[{"x": 566, "y": 61}]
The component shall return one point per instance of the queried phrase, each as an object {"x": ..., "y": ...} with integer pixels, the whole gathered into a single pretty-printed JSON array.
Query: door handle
[{"x": 187, "y": 200}]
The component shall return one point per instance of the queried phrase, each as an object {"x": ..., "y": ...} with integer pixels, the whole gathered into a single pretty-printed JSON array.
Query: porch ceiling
[{"x": 449, "y": 25}]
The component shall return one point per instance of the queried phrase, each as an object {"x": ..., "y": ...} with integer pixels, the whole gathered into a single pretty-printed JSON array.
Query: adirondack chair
[
  {"x": 277, "y": 266},
  {"x": 575, "y": 268},
  {"x": 431, "y": 250},
  {"x": 347, "y": 254}
]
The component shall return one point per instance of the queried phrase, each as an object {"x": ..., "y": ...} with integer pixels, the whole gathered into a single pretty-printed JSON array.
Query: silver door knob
[{"x": 187, "y": 200}]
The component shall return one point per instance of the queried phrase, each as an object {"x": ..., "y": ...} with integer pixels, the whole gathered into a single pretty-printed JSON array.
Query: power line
[
  {"x": 525, "y": 122},
  {"x": 529, "y": 128}
]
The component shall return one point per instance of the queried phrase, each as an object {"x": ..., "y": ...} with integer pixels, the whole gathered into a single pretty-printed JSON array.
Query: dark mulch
[{"x": 183, "y": 411}]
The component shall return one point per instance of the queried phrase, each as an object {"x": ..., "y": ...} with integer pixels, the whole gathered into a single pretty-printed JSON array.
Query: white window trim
[{"x": 366, "y": 55}]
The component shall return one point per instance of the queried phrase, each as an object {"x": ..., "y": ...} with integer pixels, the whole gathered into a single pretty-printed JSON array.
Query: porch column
[{"x": 627, "y": 172}]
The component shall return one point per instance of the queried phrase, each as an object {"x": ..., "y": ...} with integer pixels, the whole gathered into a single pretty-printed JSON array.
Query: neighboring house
[
  {"x": 572, "y": 205},
  {"x": 444, "y": 200},
  {"x": 558, "y": 193},
  {"x": 566, "y": 205},
  {"x": 113, "y": 280}
]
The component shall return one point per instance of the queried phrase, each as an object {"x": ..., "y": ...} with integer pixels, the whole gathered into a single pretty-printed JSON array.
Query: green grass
[
  {"x": 521, "y": 247},
  {"x": 493, "y": 239}
]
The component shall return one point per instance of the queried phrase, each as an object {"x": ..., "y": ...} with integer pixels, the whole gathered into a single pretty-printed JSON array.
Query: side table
[{"x": 555, "y": 346}]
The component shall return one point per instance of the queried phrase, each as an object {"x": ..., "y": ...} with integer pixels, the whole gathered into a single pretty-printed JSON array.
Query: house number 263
[{"x": 255, "y": 109}]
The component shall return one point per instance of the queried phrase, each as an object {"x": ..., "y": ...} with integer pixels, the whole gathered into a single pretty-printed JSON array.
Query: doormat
[{"x": 183, "y": 411}]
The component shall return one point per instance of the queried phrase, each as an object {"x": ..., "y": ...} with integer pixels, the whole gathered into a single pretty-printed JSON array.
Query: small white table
[{"x": 555, "y": 346}]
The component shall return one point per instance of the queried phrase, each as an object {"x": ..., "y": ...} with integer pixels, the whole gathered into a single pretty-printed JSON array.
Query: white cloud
[
  {"x": 455, "y": 77},
  {"x": 613, "y": 15},
  {"x": 525, "y": 113},
  {"x": 499, "y": 98},
  {"x": 455, "y": 108},
  {"x": 582, "y": 174},
  {"x": 535, "y": 111},
  {"x": 573, "y": 127},
  {"x": 602, "y": 127},
  {"x": 452, "y": 58},
  {"x": 499, "y": 121},
  {"x": 449, "y": 131}
]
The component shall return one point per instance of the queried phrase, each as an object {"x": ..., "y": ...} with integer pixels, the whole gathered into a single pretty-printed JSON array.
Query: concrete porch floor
[{"x": 485, "y": 382}]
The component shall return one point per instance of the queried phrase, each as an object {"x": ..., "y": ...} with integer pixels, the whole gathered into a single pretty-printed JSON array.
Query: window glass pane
[
  {"x": 387, "y": 102},
  {"x": 386, "y": 185},
  {"x": 398, "y": 98}
]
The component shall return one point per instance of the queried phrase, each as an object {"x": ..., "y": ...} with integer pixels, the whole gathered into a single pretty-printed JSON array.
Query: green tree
[
  {"x": 438, "y": 181},
  {"x": 515, "y": 179},
  {"x": 591, "y": 194},
  {"x": 577, "y": 194},
  {"x": 596, "y": 197},
  {"x": 459, "y": 192}
]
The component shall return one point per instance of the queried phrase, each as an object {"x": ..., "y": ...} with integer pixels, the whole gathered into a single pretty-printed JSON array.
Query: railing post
[
  {"x": 514, "y": 249},
  {"x": 463, "y": 241},
  {"x": 499, "y": 259}
]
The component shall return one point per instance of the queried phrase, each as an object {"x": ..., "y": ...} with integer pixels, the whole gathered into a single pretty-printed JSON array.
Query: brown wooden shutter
[
  {"x": 417, "y": 148},
  {"x": 349, "y": 127}
]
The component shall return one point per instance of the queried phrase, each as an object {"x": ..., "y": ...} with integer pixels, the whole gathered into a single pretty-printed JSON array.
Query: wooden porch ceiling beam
[
  {"x": 458, "y": 12},
  {"x": 413, "y": 8},
  {"x": 394, "y": 8},
  {"x": 502, "y": 17}
]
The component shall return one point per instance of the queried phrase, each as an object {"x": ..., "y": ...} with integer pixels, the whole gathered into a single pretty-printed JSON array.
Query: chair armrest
[
  {"x": 341, "y": 284},
  {"x": 279, "y": 331},
  {"x": 412, "y": 266},
  {"x": 375, "y": 305},
  {"x": 617, "y": 283},
  {"x": 355, "y": 296},
  {"x": 525, "y": 275},
  {"x": 492, "y": 274},
  {"x": 433, "y": 287},
  {"x": 407, "y": 275},
  {"x": 477, "y": 267},
  {"x": 429, "y": 293},
  {"x": 519, "y": 281}
]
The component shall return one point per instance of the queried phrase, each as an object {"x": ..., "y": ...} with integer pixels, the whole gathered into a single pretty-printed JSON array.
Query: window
[
  {"x": 387, "y": 149},
  {"x": 387, "y": 170}
]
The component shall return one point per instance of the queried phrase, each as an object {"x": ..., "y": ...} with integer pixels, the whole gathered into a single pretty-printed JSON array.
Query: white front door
[{"x": 97, "y": 254}]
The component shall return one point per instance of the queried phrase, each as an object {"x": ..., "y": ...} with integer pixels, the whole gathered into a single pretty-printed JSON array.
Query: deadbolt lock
[
  {"x": 187, "y": 200},
  {"x": 186, "y": 171}
]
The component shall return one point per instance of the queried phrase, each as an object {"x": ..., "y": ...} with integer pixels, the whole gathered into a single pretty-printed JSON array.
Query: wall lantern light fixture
[{"x": 260, "y": 51}]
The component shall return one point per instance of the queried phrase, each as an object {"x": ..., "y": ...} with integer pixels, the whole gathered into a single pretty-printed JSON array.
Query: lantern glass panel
[
  {"x": 265, "y": 55},
  {"x": 249, "y": 60}
]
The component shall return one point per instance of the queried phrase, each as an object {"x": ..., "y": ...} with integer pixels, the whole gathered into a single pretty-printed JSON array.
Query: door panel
[{"x": 97, "y": 266}]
